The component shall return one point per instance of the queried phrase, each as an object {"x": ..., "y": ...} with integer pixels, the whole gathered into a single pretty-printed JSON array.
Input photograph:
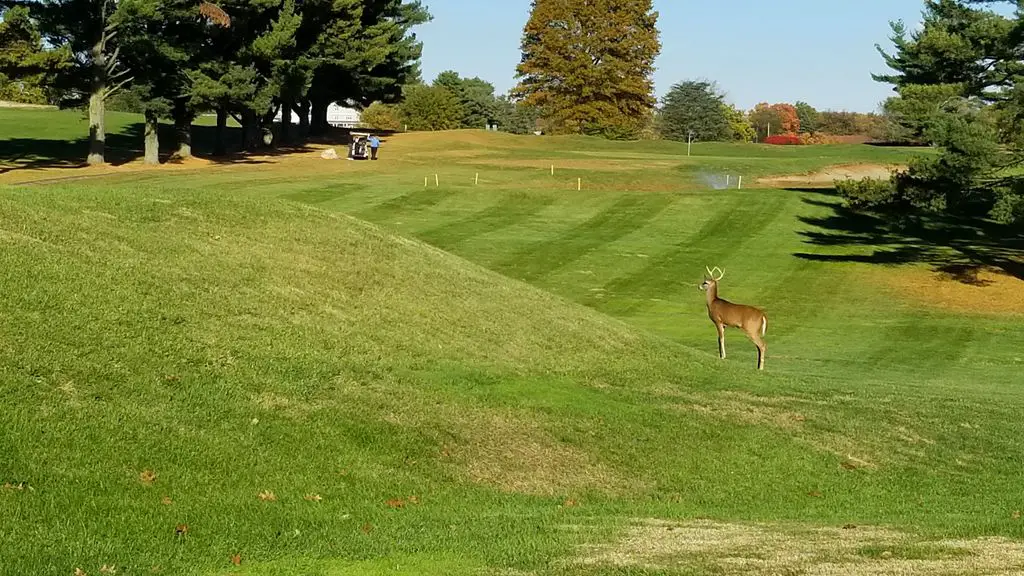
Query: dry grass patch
[
  {"x": 518, "y": 456},
  {"x": 983, "y": 291},
  {"x": 827, "y": 176},
  {"x": 605, "y": 165},
  {"x": 815, "y": 423},
  {"x": 773, "y": 549}
]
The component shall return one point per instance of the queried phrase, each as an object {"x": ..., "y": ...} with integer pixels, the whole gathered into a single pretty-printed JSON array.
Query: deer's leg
[
  {"x": 721, "y": 340},
  {"x": 761, "y": 349}
]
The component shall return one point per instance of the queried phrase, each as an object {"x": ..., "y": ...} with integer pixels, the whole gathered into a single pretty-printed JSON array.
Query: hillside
[{"x": 324, "y": 368}]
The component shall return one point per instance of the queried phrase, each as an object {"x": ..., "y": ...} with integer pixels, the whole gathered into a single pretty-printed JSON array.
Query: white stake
[
  {"x": 579, "y": 183},
  {"x": 477, "y": 179},
  {"x": 425, "y": 181},
  {"x": 727, "y": 179},
  {"x": 740, "y": 185},
  {"x": 437, "y": 182},
  {"x": 552, "y": 169}
]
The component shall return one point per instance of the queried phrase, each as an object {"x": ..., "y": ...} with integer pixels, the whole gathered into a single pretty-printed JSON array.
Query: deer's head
[{"x": 712, "y": 279}]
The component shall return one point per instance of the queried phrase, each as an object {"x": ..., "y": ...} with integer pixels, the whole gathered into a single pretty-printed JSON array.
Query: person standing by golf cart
[{"x": 374, "y": 145}]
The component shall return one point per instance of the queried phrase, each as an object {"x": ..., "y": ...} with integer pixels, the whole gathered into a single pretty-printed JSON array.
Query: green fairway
[{"x": 326, "y": 368}]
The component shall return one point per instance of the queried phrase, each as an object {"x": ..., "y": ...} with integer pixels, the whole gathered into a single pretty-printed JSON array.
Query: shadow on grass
[
  {"x": 956, "y": 247},
  {"x": 126, "y": 146}
]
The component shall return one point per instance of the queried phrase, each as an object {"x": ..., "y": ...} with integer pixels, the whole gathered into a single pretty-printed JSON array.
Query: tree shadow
[
  {"x": 126, "y": 146},
  {"x": 958, "y": 248}
]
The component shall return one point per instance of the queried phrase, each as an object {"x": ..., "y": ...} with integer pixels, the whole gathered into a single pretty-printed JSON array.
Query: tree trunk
[
  {"x": 183, "y": 129},
  {"x": 219, "y": 149},
  {"x": 152, "y": 140},
  {"x": 286, "y": 120},
  {"x": 319, "y": 121},
  {"x": 97, "y": 107},
  {"x": 303, "y": 110}
]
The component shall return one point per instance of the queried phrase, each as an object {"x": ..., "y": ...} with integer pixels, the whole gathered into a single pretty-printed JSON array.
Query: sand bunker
[{"x": 828, "y": 176}]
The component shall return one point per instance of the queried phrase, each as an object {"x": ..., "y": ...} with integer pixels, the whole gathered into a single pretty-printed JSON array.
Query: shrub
[
  {"x": 378, "y": 116},
  {"x": 819, "y": 138},
  {"x": 783, "y": 140},
  {"x": 867, "y": 193}
]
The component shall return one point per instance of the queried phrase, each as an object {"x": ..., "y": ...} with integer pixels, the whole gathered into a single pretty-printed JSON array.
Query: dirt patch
[
  {"x": 828, "y": 176},
  {"x": 770, "y": 549},
  {"x": 9, "y": 104},
  {"x": 983, "y": 291}
]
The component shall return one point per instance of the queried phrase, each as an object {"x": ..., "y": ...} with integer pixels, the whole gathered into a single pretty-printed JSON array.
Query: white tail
[{"x": 753, "y": 321}]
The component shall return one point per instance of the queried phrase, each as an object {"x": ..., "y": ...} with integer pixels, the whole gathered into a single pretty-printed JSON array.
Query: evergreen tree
[
  {"x": 694, "y": 108},
  {"x": 27, "y": 69},
  {"x": 587, "y": 65},
  {"x": 475, "y": 95},
  {"x": 810, "y": 118}
]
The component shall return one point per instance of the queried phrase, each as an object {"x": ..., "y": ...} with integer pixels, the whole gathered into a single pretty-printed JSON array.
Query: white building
[{"x": 337, "y": 115}]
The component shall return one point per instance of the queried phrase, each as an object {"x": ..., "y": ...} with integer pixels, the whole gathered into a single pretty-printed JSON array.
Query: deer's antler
[{"x": 721, "y": 273}]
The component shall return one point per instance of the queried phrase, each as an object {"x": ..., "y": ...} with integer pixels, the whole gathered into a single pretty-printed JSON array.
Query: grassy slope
[{"x": 233, "y": 332}]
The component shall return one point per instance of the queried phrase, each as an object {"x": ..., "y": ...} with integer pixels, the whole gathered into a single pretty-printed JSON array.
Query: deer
[{"x": 753, "y": 321}]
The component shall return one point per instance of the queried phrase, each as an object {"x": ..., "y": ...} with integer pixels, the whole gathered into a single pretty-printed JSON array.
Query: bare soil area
[{"x": 829, "y": 175}]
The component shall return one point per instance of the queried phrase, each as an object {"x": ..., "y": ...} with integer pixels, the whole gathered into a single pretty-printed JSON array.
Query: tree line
[
  {"x": 697, "y": 110},
  {"x": 240, "y": 59}
]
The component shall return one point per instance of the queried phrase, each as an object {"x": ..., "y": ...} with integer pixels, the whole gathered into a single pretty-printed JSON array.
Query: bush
[
  {"x": 783, "y": 140},
  {"x": 378, "y": 116},
  {"x": 817, "y": 139},
  {"x": 867, "y": 193}
]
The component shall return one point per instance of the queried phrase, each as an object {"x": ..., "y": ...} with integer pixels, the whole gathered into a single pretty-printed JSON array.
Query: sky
[{"x": 819, "y": 51}]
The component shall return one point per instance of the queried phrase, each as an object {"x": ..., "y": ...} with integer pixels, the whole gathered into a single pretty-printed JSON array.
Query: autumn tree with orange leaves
[
  {"x": 781, "y": 118},
  {"x": 587, "y": 65}
]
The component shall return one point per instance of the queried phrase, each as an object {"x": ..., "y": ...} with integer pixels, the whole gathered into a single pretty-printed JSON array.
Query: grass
[{"x": 324, "y": 368}]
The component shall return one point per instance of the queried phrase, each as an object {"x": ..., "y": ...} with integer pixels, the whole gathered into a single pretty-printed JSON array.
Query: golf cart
[{"x": 359, "y": 149}]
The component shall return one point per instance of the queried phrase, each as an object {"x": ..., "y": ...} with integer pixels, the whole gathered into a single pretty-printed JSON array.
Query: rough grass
[{"x": 317, "y": 367}]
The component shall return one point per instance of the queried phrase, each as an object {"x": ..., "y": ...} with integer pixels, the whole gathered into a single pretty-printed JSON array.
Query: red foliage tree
[{"x": 782, "y": 118}]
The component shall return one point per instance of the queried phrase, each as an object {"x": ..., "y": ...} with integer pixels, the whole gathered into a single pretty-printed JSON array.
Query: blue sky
[{"x": 820, "y": 51}]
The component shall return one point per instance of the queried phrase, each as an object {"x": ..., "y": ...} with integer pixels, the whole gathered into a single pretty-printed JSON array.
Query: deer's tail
[{"x": 764, "y": 325}]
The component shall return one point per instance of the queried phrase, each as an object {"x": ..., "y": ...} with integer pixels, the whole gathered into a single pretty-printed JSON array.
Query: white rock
[{"x": 329, "y": 154}]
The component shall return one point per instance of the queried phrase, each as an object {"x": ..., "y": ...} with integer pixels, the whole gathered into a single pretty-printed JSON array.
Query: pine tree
[
  {"x": 27, "y": 68},
  {"x": 694, "y": 108},
  {"x": 587, "y": 65}
]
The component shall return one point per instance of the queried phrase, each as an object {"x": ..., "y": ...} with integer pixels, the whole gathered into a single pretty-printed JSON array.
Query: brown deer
[{"x": 723, "y": 313}]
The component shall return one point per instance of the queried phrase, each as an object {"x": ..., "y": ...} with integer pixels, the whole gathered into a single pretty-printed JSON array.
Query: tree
[
  {"x": 380, "y": 116},
  {"x": 515, "y": 117},
  {"x": 775, "y": 119},
  {"x": 27, "y": 69},
  {"x": 697, "y": 108},
  {"x": 810, "y": 119},
  {"x": 740, "y": 127},
  {"x": 587, "y": 65},
  {"x": 476, "y": 97},
  {"x": 959, "y": 84},
  {"x": 431, "y": 108}
]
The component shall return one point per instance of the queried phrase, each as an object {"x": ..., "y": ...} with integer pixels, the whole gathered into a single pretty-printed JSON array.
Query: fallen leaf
[
  {"x": 397, "y": 503},
  {"x": 108, "y": 570},
  {"x": 1015, "y": 515},
  {"x": 849, "y": 526},
  {"x": 166, "y": 501},
  {"x": 147, "y": 477},
  {"x": 172, "y": 378},
  {"x": 268, "y": 496},
  {"x": 236, "y": 559},
  {"x": 367, "y": 528},
  {"x": 887, "y": 554},
  {"x": 181, "y": 529},
  {"x": 80, "y": 572},
  {"x": 848, "y": 465},
  {"x": 414, "y": 500},
  {"x": 815, "y": 494},
  {"x": 312, "y": 497},
  {"x": 570, "y": 503}
]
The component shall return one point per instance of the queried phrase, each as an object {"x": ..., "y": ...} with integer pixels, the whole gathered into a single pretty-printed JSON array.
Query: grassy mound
[{"x": 336, "y": 371}]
